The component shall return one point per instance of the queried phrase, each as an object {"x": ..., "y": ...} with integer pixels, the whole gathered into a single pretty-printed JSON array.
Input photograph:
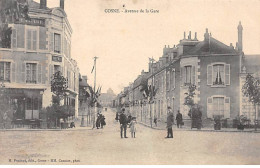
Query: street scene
[
  {"x": 104, "y": 146},
  {"x": 129, "y": 82}
]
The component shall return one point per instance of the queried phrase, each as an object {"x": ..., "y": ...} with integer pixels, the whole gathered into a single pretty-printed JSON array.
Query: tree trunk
[{"x": 255, "y": 118}]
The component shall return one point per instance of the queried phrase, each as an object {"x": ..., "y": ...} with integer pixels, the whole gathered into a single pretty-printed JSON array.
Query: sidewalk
[{"x": 161, "y": 126}]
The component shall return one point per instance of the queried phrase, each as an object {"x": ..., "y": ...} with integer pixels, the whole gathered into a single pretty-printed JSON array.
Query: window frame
[
  {"x": 31, "y": 30},
  {"x": 36, "y": 73},
  {"x": 54, "y": 43},
  {"x": 224, "y": 74},
  {"x": 4, "y": 72}
]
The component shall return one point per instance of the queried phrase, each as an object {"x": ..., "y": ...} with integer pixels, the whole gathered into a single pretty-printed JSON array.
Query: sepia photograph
[{"x": 129, "y": 82}]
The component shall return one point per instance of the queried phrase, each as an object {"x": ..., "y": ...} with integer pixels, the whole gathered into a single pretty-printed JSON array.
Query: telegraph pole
[{"x": 95, "y": 76}]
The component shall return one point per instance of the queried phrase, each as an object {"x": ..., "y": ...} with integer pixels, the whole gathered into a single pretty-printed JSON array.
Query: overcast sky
[{"x": 123, "y": 42}]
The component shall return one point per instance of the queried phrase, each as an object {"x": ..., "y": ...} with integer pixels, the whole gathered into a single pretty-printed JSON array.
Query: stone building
[
  {"x": 40, "y": 46},
  {"x": 217, "y": 70}
]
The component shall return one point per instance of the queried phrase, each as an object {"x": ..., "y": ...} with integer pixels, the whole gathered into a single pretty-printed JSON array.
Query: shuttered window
[
  {"x": 31, "y": 40},
  {"x": 31, "y": 72},
  {"x": 5, "y": 71},
  {"x": 218, "y": 74},
  {"x": 218, "y": 107}
]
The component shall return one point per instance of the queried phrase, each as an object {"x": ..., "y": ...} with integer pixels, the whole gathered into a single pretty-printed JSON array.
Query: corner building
[{"x": 39, "y": 47}]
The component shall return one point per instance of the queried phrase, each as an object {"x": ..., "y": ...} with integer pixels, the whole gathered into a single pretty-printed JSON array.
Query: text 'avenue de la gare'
[{"x": 152, "y": 11}]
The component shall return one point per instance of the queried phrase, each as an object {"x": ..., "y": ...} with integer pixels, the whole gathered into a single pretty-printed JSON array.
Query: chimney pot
[
  {"x": 195, "y": 38},
  {"x": 189, "y": 37},
  {"x": 168, "y": 46},
  {"x": 184, "y": 35},
  {"x": 62, "y": 4},
  {"x": 43, "y": 4}
]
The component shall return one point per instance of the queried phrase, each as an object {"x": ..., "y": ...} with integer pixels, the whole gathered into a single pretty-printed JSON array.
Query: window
[
  {"x": 31, "y": 39},
  {"x": 188, "y": 75},
  {"x": 168, "y": 81},
  {"x": 56, "y": 68},
  {"x": 218, "y": 106},
  {"x": 57, "y": 43},
  {"x": 5, "y": 71},
  {"x": 173, "y": 79},
  {"x": 187, "y": 72},
  {"x": 218, "y": 74},
  {"x": 30, "y": 73}
]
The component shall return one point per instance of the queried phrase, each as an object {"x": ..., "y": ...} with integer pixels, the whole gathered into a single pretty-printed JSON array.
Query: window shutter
[
  {"x": 210, "y": 107},
  {"x": 227, "y": 108},
  {"x": 193, "y": 75},
  {"x": 183, "y": 75},
  {"x": 23, "y": 77},
  {"x": 51, "y": 42},
  {"x": 209, "y": 75},
  {"x": 51, "y": 72},
  {"x": 39, "y": 73},
  {"x": 34, "y": 42},
  {"x": 227, "y": 74},
  {"x": 20, "y": 36},
  {"x": 29, "y": 38},
  {"x": 14, "y": 38},
  {"x": 13, "y": 72}
]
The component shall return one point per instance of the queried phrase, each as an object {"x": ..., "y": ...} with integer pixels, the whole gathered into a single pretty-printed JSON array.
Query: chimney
[
  {"x": 206, "y": 35},
  {"x": 43, "y": 4},
  {"x": 189, "y": 37},
  {"x": 195, "y": 38},
  {"x": 62, "y": 4},
  {"x": 184, "y": 35},
  {"x": 168, "y": 46},
  {"x": 240, "y": 37},
  {"x": 231, "y": 45}
]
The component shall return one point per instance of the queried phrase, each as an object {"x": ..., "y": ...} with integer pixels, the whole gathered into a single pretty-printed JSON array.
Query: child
[{"x": 132, "y": 127}]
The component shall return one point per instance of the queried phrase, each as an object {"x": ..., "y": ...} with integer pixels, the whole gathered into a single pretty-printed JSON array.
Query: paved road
[{"x": 104, "y": 146}]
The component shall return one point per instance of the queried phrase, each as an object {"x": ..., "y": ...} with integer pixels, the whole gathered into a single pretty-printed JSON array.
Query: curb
[{"x": 206, "y": 130}]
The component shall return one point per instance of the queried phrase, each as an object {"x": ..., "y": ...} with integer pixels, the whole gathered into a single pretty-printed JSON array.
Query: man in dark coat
[
  {"x": 179, "y": 119},
  {"x": 123, "y": 123},
  {"x": 170, "y": 122}
]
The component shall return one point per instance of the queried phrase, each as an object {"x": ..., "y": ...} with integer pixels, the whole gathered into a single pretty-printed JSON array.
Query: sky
[{"x": 124, "y": 41}]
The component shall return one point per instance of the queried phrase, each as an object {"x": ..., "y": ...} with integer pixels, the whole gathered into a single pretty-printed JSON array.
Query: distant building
[{"x": 106, "y": 99}]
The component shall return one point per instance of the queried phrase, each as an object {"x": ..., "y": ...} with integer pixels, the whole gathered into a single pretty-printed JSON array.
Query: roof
[
  {"x": 83, "y": 83},
  {"x": 252, "y": 63},
  {"x": 211, "y": 46}
]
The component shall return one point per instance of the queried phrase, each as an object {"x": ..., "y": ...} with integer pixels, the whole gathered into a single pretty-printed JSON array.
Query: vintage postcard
[{"x": 129, "y": 82}]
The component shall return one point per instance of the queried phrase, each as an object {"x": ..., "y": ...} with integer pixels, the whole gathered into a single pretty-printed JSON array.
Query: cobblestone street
[{"x": 104, "y": 146}]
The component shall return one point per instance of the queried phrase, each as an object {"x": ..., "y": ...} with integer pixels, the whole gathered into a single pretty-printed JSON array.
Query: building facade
[
  {"x": 214, "y": 68},
  {"x": 40, "y": 46}
]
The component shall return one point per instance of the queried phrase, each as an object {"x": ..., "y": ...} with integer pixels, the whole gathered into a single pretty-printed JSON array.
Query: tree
[
  {"x": 189, "y": 99},
  {"x": 251, "y": 89},
  {"x": 195, "y": 109}
]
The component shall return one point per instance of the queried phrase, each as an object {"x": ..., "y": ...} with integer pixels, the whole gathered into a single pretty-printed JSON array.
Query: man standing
[
  {"x": 123, "y": 123},
  {"x": 170, "y": 121},
  {"x": 179, "y": 119}
]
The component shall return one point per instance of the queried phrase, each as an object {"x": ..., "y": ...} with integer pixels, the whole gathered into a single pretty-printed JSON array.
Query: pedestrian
[
  {"x": 102, "y": 121},
  {"x": 179, "y": 119},
  {"x": 155, "y": 121},
  {"x": 133, "y": 127},
  {"x": 170, "y": 121},
  {"x": 98, "y": 121},
  {"x": 123, "y": 123},
  {"x": 116, "y": 117}
]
